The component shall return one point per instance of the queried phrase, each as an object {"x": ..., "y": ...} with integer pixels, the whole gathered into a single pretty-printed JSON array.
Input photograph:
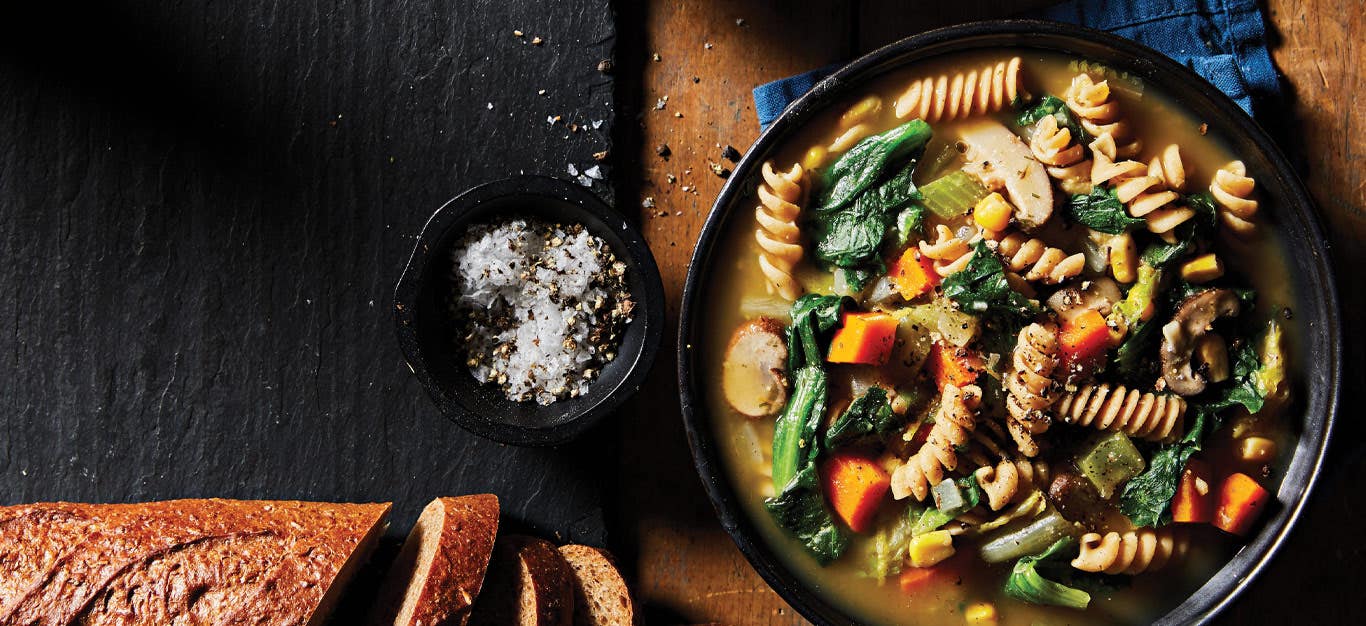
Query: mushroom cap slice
[
  {"x": 1181, "y": 336},
  {"x": 1000, "y": 159},
  {"x": 1097, "y": 295},
  {"x": 754, "y": 374}
]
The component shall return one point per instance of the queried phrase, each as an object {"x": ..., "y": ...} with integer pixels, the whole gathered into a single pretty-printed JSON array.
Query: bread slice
[
  {"x": 440, "y": 570},
  {"x": 529, "y": 584},
  {"x": 182, "y": 561},
  {"x": 601, "y": 597}
]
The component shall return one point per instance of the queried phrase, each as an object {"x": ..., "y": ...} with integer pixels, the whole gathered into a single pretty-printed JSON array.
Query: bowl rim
[
  {"x": 1233, "y": 577},
  {"x": 649, "y": 310}
]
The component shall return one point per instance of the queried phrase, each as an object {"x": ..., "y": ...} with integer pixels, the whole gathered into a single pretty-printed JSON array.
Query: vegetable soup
[{"x": 1005, "y": 334}]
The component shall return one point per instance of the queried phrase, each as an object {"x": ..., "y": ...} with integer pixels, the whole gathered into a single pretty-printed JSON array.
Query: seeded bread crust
[
  {"x": 182, "y": 561},
  {"x": 440, "y": 570},
  {"x": 601, "y": 597},
  {"x": 528, "y": 584}
]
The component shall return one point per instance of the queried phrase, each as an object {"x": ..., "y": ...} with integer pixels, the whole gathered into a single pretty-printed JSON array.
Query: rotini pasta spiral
[
  {"x": 1154, "y": 416},
  {"x": 1132, "y": 552},
  {"x": 956, "y": 418},
  {"x": 1104, "y": 166},
  {"x": 1099, "y": 113},
  {"x": 1008, "y": 481},
  {"x": 976, "y": 92},
  {"x": 949, "y": 251},
  {"x": 1232, "y": 190},
  {"x": 856, "y": 123},
  {"x": 1050, "y": 265},
  {"x": 1063, "y": 155},
  {"x": 778, "y": 234},
  {"x": 1029, "y": 385},
  {"x": 1153, "y": 195}
]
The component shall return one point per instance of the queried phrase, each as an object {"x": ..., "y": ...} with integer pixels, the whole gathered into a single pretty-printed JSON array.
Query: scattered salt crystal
[
  {"x": 597, "y": 124},
  {"x": 573, "y": 171},
  {"x": 594, "y": 172},
  {"x": 585, "y": 181}
]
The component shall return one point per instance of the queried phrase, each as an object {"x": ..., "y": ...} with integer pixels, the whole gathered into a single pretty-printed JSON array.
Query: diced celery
[
  {"x": 953, "y": 194},
  {"x": 1110, "y": 462},
  {"x": 948, "y": 497},
  {"x": 1031, "y": 539}
]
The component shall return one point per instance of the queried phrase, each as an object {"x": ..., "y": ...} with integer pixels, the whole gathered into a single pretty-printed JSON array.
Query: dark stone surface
[{"x": 203, "y": 209}]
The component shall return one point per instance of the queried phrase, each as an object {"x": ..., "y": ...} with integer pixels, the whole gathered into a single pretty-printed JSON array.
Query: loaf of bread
[
  {"x": 528, "y": 584},
  {"x": 181, "y": 562},
  {"x": 601, "y": 597},
  {"x": 440, "y": 570}
]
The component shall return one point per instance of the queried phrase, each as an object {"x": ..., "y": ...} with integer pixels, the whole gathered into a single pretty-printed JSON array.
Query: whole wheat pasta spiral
[
  {"x": 956, "y": 418},
  {"x": 1099, "y": 113},
  {"x": 949, "y": 251},
  {"x": 976, "y": 92},
  {"x": 856, "y": 123},
  {"x": 1232, "y": 190},
  {"x": 1153, "y": 195},
  {"x": 1153, "y": 416},
  {"x": 778, "y": 235},
  {"x": 1132, "y": 552},
  {"x": 1008, "y": 480},
  {"x": 1104, "y": 166},
  {"x": 1050, "y": 265},
  {"x": 1029, "y": 385},
  {"x": 1063, "y": 155}
]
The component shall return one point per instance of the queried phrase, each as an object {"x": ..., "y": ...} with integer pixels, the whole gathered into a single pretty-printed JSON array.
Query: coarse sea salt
[{"x": 542, "y": 306}]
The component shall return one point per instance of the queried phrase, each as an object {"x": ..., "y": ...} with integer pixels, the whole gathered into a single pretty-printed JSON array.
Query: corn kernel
[
  {"x": 1256, "y": 449},
  {"x": 929, "y": 549},
  {"x": 993, "y": 212},
  {"x": 1214, "y": 354},
  {"x": 1202, "y": 269},
  {"x": 980, "y": 614},
  {"x": 1123, "y": 258},
  {"x": 814, "y": 158}
]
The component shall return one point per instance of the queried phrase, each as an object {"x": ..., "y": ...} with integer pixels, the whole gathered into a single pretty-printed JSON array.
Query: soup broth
[{"x": 963, "y": 584}]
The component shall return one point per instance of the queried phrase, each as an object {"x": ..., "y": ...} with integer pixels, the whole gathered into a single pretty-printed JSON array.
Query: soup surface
[{"x": 996, "y": 346}]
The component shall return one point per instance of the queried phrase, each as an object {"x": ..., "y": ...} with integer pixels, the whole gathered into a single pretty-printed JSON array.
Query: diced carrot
[
  {"x": 855, "y": 487},
  {"x": 865, "y": 338},
  {"x": 1084, "y": 340},
  {"x": 951, "y": 364},
  {"x": 913, "y": 579},
  {"x": 1240, "y": 502},
  {"x": 913, "y": 274},
  {"x": 1194, "y": 501}
]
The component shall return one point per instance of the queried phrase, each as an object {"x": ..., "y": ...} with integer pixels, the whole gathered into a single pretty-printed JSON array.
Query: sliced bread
[
  {"x": 181, "y": 562},
  {"x": 440, "y": 569},
  {"x": 528, "y": 584},
  {"x": 601, "y": 597}
]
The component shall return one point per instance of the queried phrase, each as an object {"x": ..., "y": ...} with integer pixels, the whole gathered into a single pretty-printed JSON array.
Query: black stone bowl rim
[
  {"x": 482, "y": 410},
  {"x": 1313, "y": 275}
]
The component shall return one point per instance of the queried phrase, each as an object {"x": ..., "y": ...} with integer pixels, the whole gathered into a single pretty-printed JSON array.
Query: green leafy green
[
  {"x": 813, "y": 315},
  {"x": 981, "y": 287},
  {"x": 1028, "y": 585},
  {"x": 863, "y": 165},
  {"x": 1100, "y": 210},
  {"x": 801, "y": 509},
  {"x": 1160, "y": 254},
  {"x": 886, "y": 552},
  {"x": 932, "y": 518},
  {"x": 1053, "y": 106},
  {"x": 868, "y": 418},
  {"x": 851, "y": 237},
  {"x": 794, "y": 435},
  {"x": 911, "y": 220},
  {"x": 1133, "y": 359}
]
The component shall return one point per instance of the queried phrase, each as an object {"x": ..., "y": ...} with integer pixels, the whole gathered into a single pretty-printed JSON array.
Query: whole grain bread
[
  {"x": 181, "y": 562},
  {"x": 601, "y": 597},
  {"x": 528, "y": 584},
  {"x": 440, "y": 570}
]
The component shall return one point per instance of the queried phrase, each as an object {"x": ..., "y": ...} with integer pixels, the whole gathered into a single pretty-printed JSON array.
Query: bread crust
[
  {"x": 183, "y": 561},
  {"x": 529, "y": 583},
  {"x": 452, "y": 578}
]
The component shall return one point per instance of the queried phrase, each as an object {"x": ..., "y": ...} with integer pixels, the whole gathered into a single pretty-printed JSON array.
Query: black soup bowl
[
  {"x": 1315, "y": 297},
  {"x": 426, "y": 328}
]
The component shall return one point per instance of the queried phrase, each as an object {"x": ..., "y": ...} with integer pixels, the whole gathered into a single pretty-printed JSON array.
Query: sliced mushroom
[
  {"x": 1000, "y": 159},
  {"x": 1181, "y": 336},
  {"x": 1088, "y": 295},
  {"x": 754, "y": 376}
]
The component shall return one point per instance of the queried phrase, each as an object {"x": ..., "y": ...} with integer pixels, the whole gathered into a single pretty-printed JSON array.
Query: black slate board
[{"x": 203, "y": 208}]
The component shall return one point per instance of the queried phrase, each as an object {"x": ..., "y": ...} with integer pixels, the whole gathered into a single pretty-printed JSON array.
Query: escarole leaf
[
  {"x": 801, "y": 509},
  {"x": 850, "y": 235},
  {"x": 981, "y": 287},
  {"x": 864, "y": 164},
  {"x": 868, "y": 418},
  {"x": 1054, "y": 106},
  {"x": 1028, "y": 585},
  {"x": 1101, "y": 211}
]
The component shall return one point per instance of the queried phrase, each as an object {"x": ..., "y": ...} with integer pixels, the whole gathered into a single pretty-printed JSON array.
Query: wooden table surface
[{"x": 711, "y": 53}]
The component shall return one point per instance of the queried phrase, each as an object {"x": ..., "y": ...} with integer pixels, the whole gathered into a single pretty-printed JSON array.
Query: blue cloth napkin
[{"x": 1222, "y": 40}]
